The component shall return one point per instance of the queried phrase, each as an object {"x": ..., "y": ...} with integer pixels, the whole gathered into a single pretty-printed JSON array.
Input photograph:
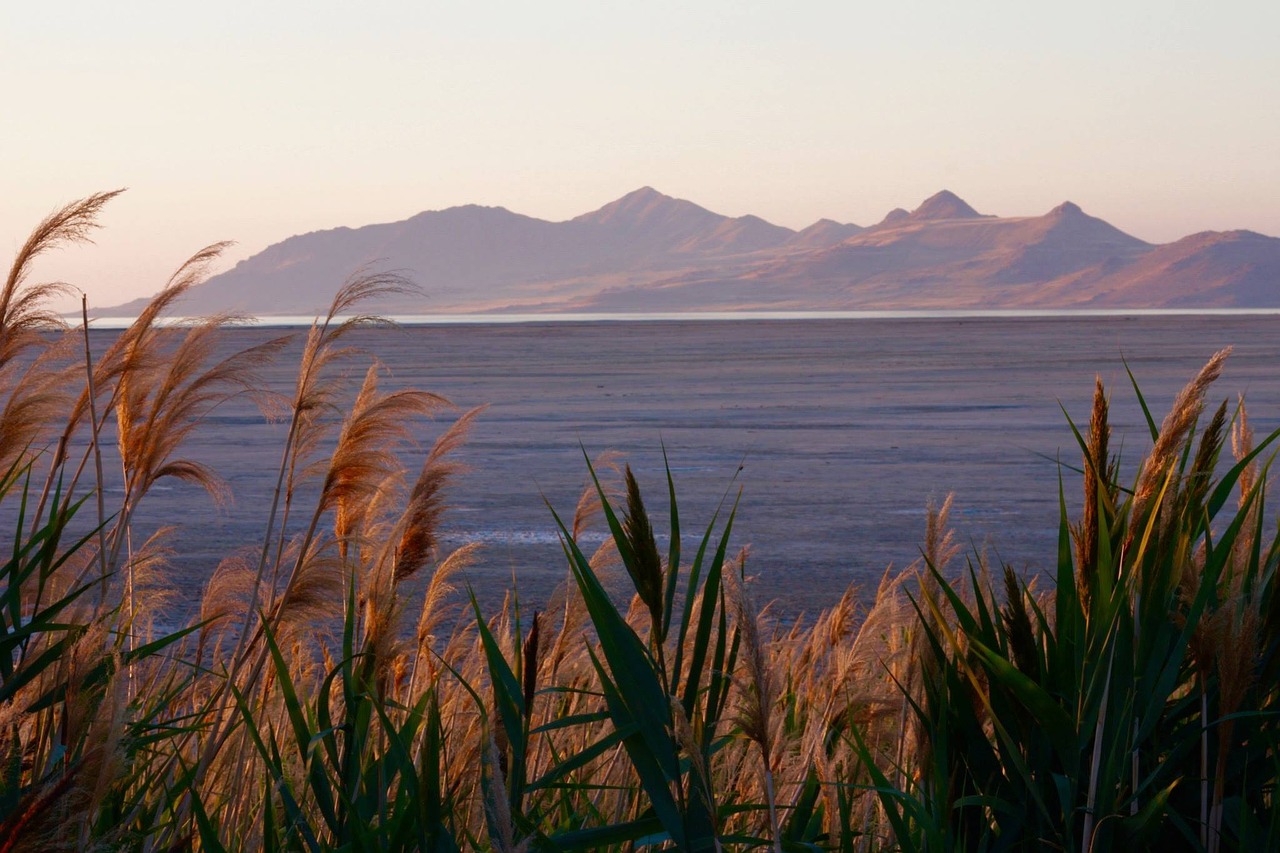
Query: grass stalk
[
  {"x": 100, "y": 498},
  {"x": 678, "y": 717}
]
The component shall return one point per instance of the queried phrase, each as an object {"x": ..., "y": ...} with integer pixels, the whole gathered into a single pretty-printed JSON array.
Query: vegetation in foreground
[{"x": 1130, "y": 698}]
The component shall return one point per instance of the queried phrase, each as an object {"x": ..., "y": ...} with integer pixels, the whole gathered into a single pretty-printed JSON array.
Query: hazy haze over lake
[{"x": 844, "y": 430}]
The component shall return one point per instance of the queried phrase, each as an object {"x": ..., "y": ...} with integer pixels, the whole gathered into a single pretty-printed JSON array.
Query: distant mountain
[
  {"x": 646, "y": 223},
  {"x": 1243, "y": 266},
  {"x": 894, "y": 217},
  {"x": 943, "y": 205},
  {"x": 651, "y": 252},
  {"x": 824, "y": 233}
]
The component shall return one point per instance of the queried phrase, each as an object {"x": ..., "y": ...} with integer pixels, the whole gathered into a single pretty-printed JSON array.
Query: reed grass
[{"x": 1128, "y": 699}]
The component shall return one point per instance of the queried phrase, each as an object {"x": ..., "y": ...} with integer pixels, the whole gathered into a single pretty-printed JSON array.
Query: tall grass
[{"x": 1127, "y": 698}]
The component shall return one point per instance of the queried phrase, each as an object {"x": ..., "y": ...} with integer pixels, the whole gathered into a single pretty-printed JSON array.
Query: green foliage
[
  {"x": 1090, "y": 717},
  {"x": 1130, "y": 700}
]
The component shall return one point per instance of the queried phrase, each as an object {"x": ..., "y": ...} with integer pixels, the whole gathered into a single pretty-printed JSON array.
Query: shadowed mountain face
[
  {"x": 1243, "y": 266},
  {"x": 651, "y": 252}
]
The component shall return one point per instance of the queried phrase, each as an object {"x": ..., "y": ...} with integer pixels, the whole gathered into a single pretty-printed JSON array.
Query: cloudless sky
[{"x": 253, "y": 121}]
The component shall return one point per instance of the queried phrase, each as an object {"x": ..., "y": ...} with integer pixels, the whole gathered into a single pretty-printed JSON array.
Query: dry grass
[{"x": 312, "y": 705}]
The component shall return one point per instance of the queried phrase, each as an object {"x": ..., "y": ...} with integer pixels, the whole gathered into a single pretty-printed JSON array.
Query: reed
[{"x": 313, "y": 703}]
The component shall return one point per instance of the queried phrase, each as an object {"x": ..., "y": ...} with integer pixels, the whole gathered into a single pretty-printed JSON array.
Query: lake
[{"x": 838, "y": 431}]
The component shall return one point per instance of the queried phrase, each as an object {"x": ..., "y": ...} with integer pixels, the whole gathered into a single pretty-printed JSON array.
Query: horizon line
[{"x": 511, "y": 318}]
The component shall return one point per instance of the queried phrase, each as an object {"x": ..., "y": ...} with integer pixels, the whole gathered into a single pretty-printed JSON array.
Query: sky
[{"x": 254, "y": 121}]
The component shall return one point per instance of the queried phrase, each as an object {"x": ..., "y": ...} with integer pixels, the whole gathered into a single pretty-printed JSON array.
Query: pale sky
[{"x": 253, "y": 121}]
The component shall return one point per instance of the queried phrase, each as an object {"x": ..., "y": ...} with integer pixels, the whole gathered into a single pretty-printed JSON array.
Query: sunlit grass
[{"x": 1129, "y": 698}]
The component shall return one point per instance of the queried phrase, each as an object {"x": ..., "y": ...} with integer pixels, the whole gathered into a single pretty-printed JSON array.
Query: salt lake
[{"x": 838, "y": 430}]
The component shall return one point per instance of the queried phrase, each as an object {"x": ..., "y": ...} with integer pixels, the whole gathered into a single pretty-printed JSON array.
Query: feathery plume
[
  {"x": 1095, "y": 472},
  {"x": 1241, "y": 447},
  {"x": 1017, "y": 621},
  {"x": 589, "y": 508},
  {"x": 645, "y": 566},
  {"x": 1211, "y": 440},
  {"x": 419, "y": 528},
  {"x": 758, "y": 695},
  {"x": 23, "y": 310},
  {"x": 1177, "y": 424}
]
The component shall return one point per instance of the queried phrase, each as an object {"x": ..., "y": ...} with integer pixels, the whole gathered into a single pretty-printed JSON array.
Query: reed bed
[{"x": 1127, "y": 698}]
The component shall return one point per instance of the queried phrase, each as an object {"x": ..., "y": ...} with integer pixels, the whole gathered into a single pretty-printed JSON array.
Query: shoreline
[{"x": 266, "y": 321}]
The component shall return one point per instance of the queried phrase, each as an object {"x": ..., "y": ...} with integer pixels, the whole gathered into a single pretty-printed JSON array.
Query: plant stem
[{"x": 97, "y": 451}]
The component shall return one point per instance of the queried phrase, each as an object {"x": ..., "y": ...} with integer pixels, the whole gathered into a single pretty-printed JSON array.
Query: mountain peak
[
  {"x": 895, "y": 216},
  {"x": 645, "y": 222},
  {"x": 646, "y": 198},
  {"x": 646, "y": 204},
  {"x": 825, "y": 232},
  {"x": 648, "y": 251},
  {"x": 944, "y": 205},
  {"x": 645, "y": 194}
]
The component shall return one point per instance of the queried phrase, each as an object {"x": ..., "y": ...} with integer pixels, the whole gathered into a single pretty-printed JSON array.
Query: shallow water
[{"x": 839, "y": 431}]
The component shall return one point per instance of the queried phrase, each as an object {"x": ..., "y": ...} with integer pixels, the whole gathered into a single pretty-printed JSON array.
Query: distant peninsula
[{"x": 649, "y": 252}]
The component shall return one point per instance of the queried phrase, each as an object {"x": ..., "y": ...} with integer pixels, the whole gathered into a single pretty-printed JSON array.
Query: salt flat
[{"x": 843, "y": 429}]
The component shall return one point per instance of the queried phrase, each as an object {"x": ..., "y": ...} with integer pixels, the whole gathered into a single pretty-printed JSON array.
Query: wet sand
[{"x": 843, "y": 430}]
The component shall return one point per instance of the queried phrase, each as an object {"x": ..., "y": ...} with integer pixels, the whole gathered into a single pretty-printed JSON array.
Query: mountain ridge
[{"x": 647, "y": 251}]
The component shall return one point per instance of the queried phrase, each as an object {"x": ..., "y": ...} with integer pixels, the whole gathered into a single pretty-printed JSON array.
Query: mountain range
[{"x": 651, "y": 252}]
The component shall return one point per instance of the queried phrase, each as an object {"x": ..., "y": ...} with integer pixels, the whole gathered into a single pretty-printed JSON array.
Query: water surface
[{"x": 838, "y": 431}]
